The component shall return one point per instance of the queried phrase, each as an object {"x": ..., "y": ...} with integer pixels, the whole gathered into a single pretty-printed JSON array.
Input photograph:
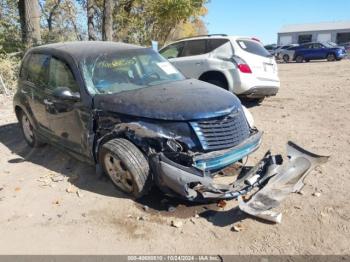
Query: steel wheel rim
[
  {"x": 118, "y": 172},
  {"x": 27, "y": 129}
]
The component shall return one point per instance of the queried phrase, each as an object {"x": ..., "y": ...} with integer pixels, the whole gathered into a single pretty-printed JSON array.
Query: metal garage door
[
  {"x": 285, "y": 40},
  {"x": 325, "y": 37}
]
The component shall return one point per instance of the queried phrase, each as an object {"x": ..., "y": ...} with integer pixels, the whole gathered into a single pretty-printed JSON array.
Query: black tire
[
  {"x": 286, "y": 58},
  {"x": 299, "y": 59},
  {"x": 307, "y": 60},
  {"x": 33, "y": 140},
  {"x": 331, "y": 57},
  {"x": 132, "y": 160},
  {"x": 218, "y": 83}
]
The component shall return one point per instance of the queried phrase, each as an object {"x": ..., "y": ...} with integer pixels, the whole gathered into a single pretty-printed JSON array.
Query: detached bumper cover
[{"x": 274, "y": 179}]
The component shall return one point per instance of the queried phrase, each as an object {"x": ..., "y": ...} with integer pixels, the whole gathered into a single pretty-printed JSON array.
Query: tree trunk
[
  {"x": 107, "y": 25},
  {"x": 90, "y": 18},
  {"x": 30, "y": 22}
]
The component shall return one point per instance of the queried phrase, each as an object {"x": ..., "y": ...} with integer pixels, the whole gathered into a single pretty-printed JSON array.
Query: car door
[
  {"x": 319, "y": 51},
  {"x": 33, "y": 86},
  {"x": 65, "y": 116},
  {"x": 191, "y": 62}
]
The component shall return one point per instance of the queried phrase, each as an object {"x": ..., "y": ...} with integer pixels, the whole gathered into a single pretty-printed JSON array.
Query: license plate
[{"x": 269, "y": 68}]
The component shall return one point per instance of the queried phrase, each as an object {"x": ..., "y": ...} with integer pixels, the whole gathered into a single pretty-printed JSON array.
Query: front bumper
[
  {"x": 273, "y": 179},
  {"x": 196, "y": 182}
]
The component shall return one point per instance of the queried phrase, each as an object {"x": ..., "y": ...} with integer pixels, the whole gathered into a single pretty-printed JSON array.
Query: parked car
[
  {"x": 239, "y": 64},
  {"x": 287, "y": 54},
  {"x": 128, "y": 110},
  {"x": 279, "y": 49},
  {"x": 271, "y": 48},
  {"x": 318, "y": 51}
]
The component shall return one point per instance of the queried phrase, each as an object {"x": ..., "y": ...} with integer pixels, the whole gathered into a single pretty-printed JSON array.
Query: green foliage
[
  {"x": 10, "y": 30},
  {"x": 9, "y": 71},
  {"x": 140, "y": 21}
]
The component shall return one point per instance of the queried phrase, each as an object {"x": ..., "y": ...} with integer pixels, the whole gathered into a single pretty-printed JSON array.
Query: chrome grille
[{"x": 223, "y": 132}]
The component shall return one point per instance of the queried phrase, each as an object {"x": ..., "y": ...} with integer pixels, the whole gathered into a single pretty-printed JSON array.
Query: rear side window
[
  {"x": 172, "y": 51},
  {"x": 253, "y": 47},
  {"x": 215, "y": 43},
  {"x": 195, "y": 47},
  {"x": 37, "y": 69},
  {"x": 61, "y": 76}
]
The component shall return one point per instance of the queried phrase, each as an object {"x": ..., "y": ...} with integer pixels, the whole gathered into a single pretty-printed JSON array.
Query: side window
[
  {"x": 318, "y": 46},
  {"x": 172, "y": 51},
  {"x": 194, "y": 47},
  {"x": 61, "y": 76},
  {"x": 215, "y": 43},
  {"x": 37, "y": 67}
]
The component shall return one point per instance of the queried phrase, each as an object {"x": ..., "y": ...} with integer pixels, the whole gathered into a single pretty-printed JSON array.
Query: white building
[{"x": 337, "y": 32}]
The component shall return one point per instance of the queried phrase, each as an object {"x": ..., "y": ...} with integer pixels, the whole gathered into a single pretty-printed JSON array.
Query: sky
[{"x": 264, "y": 18}]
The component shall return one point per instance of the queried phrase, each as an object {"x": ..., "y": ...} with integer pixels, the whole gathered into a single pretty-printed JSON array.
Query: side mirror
[{"x": 64, "y": 93}]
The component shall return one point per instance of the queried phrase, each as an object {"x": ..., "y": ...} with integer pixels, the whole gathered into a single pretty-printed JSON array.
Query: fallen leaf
[
  {"x": 176, "y": 223},
  {"x": 17, "y": 189},
  {"x": 222, "y": 203},
  {"x": 237, "y": 228}
]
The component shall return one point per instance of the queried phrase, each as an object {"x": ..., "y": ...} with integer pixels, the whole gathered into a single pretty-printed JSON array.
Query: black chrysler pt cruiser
[{"x": 128, "y": 110}]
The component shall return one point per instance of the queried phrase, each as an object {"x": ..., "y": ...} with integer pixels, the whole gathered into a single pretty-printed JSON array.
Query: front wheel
[
  {"x": 299, "y": 59},
  {"x": 286, "y": 58},
  {"x": 28, "y": 131},
  {"x": 331, "y": 57},
  {"x": 126, "y": 166}
]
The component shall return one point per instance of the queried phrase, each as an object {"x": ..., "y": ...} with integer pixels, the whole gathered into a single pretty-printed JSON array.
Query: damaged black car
[{"x": 127, "y": 110}]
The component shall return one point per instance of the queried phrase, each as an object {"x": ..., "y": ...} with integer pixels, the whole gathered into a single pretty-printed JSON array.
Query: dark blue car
[{"x": 318, "y": 51}]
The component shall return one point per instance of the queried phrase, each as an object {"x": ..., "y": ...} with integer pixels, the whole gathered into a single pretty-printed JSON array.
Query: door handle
[{"x": 47, "y": 102}]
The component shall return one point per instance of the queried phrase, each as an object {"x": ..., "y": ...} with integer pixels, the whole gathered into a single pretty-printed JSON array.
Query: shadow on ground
[{"x": 59, "y": 162}]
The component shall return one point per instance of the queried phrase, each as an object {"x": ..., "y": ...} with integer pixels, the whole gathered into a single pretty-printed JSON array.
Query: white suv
[{"x": 239, "y": 64}]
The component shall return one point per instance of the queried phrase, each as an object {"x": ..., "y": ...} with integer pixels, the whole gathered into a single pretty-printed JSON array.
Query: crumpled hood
[{"x": 179, "y": 100}]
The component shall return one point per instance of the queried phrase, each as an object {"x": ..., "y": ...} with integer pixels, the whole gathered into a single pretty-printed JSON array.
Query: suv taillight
[{"x": 242, "y": 65}]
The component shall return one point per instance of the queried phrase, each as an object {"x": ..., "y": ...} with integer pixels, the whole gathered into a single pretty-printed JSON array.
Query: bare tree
[
  {"x": 91, "y": 6},
  {"x": 107, "y": 24},
  {"x": 30, "y": 22}
]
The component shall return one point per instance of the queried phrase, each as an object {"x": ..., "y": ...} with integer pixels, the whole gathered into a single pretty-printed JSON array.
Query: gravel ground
[{"x": 53, "y": 204}]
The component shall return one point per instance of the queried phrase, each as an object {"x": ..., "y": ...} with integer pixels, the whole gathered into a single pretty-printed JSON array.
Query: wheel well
[
  {"x": 18, "y": 111},
  {"x": 215, "y": 75}
]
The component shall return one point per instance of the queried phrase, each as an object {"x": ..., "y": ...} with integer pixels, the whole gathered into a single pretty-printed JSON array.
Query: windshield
[{"x": 125, "y": 71}]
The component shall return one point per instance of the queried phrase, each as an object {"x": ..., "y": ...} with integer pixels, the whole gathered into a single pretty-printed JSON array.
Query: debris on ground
[
  {"x": 17, "y": 189},
  {"x": 56, "y": 202},
  {"x": 57, "y": 178},
  {"x": 237, "y": 227},
  {"x": 171, "y": 209},
  {"x": 193, "y": 221},
  {"x": 316, "y": 194},
  {"x": 145, "y": 208},
  {"x": 176, "y": 223},
  {"x": 79, "y": 194},
  {"x": 222, "y": 203},
  {"x": 282, "y": 179},
  {"x": 142, "y": 218},
  {"x": 72, "y": 189}
]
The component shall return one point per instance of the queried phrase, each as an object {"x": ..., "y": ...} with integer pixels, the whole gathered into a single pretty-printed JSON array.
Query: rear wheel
[
  {"x": 28, "y": 131},
  {"x": 299, "y": 59},
  {"x": 331, "y": 57},
  {"x": 126, "y": 166},
  {"x": 286, "y": 58},
  {"x": 217, "y": 82}
]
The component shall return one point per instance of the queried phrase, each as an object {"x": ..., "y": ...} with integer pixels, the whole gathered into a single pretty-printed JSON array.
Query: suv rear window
[
  {"x": 253, "y": 47},
  {"x": 194, "y": 47}
]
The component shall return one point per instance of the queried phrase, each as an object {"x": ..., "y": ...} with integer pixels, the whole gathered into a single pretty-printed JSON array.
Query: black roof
[{"x": 84, "y": 49}]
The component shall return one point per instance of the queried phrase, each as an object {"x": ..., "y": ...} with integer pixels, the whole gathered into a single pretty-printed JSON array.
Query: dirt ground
[{"x": 39, "y": 216}]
